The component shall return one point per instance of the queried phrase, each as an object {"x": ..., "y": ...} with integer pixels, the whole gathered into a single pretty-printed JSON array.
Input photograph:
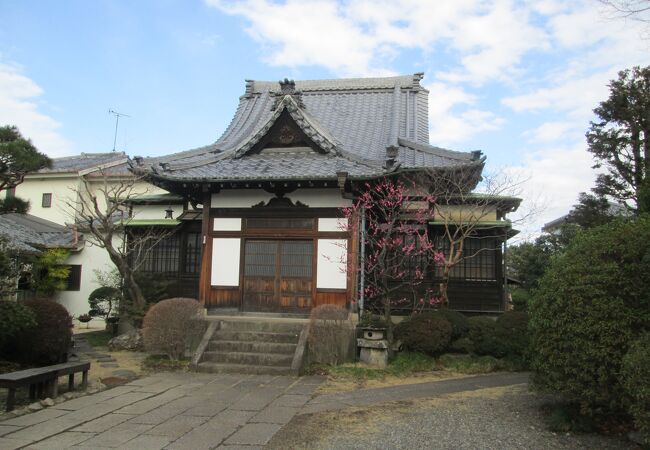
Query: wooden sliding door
[{"x": 278, "y": 275}]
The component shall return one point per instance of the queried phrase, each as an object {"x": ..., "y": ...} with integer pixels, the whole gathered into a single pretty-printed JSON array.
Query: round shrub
[
  {"x": 512, "y": 332},
  {"x": 169, "y": 325},
  {"x": 591, "y": 304},
  {"x": 458, "y": 321},
  {"x": 635, "y": 376},
  {"x": 49, "y": 341},
  {"x": 483, "y": 334},
  {"x": 426, "y": 333},
  {"x": 15, "y": 319},
  {"x": 330, "y": 335}
]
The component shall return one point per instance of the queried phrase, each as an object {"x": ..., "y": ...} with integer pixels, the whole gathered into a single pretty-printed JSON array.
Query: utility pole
[{"x": 117, "y": 121}]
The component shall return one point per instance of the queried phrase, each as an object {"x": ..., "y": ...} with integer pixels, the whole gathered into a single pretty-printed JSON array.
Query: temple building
[{"x": 264, "y": 202}]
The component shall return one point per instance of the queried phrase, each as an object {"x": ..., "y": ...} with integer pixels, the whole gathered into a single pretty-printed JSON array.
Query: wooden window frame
[
  {"x": 73, "y": 282},
  {"x": 46, "y": 200}
]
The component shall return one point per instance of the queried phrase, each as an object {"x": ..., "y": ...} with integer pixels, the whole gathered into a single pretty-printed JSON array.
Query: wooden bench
[{"x": 43, "y": 381}]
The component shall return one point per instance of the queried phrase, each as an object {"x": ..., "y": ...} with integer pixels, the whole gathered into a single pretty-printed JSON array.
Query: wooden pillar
[
  {"x": 206, "y": 254},
  {"x": 71, "y": 382}
]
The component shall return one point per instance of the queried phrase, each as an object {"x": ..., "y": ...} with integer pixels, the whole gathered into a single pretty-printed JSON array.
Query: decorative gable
[{"x": 289, "y": 126}]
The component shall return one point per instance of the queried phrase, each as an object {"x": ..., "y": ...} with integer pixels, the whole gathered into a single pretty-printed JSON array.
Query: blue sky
[{"x": 517, "y": 80}]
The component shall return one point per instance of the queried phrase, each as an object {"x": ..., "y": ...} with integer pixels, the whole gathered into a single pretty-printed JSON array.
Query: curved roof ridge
[
  {"x": 437, "y": 151},
  {"x": 341, "y": 84}
]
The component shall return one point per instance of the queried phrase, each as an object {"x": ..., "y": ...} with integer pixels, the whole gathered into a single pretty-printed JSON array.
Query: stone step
[
  {"x": 212, "y": 367},
  {"x": 255, "y": 336},
  {"x": 268, "y": 326},
  {"x": 254, "y": 359},
  {"x": 252, "y": 347}
]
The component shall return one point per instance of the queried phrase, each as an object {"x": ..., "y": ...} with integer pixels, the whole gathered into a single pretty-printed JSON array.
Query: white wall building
[{"x": 52, "y": 194}]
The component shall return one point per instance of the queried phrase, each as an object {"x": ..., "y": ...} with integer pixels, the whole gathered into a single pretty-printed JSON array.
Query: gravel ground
[{"x": 498, "y": 418}]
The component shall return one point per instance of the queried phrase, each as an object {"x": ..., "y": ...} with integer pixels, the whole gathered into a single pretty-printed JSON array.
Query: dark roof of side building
[
  {"x": 87, "y": 161},
  {"x": 352, "y": 122},
  {"x": 31, "y": 234}
]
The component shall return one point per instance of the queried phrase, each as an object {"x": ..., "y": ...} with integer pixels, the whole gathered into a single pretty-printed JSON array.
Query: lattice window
[
  {"x": 260, "y": 258},
  {"x": 279, "y": 223},
  {"x": 478, "y": 261},
  {"x": 193, "y": 253},
  {"x": 296, "y": 259}
]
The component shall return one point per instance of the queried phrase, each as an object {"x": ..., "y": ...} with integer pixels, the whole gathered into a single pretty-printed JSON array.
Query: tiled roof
[
  {"x": 84, "y": 161},
  {"x": 28, "y": 233},
  {"x": 352, "y": 120}
]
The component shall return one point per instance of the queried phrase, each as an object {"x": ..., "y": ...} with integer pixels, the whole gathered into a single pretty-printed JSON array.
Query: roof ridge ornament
[{"x": 287, "y": 87}]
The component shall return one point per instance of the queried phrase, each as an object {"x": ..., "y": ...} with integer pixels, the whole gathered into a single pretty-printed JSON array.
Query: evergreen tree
[
  {"x": 620, "y": 140},
  {"x": 18, "y": 156}
]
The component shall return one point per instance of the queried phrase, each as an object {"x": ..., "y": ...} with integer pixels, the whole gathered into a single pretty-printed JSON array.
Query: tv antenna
[{"x": 117, "y": 121}]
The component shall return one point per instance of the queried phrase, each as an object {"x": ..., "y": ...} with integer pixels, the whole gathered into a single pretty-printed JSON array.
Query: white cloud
[
  {"x": 551, "y": 132},
  {"x": 19, "y": 106},
  {"x": 447, "y": 125},
  {"x": 359, "y": 38},
  {"x": 555, "y": 176}
]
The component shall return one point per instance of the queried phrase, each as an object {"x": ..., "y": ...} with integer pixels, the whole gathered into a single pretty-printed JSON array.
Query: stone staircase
[{"x": 251, "y": 346}]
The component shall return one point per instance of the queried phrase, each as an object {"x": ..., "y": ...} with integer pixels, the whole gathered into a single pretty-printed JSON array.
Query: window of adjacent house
[
  {"x": 47, "y": 200},
  {"x": 73, "y": 283}
]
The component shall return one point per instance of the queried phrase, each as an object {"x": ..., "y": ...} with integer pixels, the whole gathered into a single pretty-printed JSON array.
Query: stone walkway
[
  {"x": 170, "y": 410},
  {"x": 203, "y": 411}
]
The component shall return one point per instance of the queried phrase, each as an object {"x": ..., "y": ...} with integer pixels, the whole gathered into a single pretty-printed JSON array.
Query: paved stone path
[
  {"x": 170, "y": 410},
  {"x": 203, "y": 411}
]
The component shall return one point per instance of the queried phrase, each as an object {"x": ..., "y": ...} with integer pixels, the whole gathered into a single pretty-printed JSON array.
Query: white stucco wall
[
  {"x": 141, "y": 212},
  {"x": 63, "y": 190},
  {"x": 331, "y": 265},
  {"x": 91, "y": 258}
]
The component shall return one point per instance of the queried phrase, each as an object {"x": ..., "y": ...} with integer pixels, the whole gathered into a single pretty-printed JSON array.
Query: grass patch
[
  {"x": 97, "y": 338},
  {"x": 405, "y": 364},
  {"x": 473, "y": 364},
  {"x": 162, "y": 362}
]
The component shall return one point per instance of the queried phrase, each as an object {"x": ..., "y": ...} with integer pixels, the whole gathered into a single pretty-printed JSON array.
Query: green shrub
[
  {"x": 427, "y": 333},
  {"x": 104, "y": 301},
  {"x": 635, "y": 376},
  {"x": 48, "y": 342},
  {"x": 512, "y": 333},
  {"x": 591, "y": 304},
  {"x": 15, "y": 319},
  {"x": 483, "y": 334},
  {"x": 520, "y": 299},
  {"x": 168, "y": 326},
  {"x": 458, "y": 321},
  {"x": 462, "y": 345}
]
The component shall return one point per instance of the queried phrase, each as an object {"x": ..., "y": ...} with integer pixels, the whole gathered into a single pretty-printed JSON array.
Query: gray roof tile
[
  {"x": 355, "y": 118},
  {"x": 28, "y": 233}
]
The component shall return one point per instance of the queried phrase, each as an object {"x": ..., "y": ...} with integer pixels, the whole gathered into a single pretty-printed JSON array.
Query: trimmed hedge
[
  {"x": 484, "y": 337},
  {"x": 592, "y": 303},
  {"x": 426, "y": 333},
  {"x": 48, "y": 342},
  {"x": 458, "y": 321},
  {"x": 169, "y": 325},
  {"x": 512, "y": 333}
]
